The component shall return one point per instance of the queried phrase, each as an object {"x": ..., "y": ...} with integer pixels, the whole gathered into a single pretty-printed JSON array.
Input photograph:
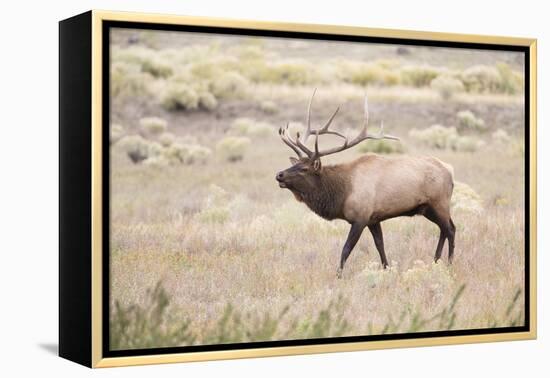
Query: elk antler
[
  {"x": 299, "y": 144},
  {"x": 288, "y": 142},
  {"x": 322, "y": 130}
]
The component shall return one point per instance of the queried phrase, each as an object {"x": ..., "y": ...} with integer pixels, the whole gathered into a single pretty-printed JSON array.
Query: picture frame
[{"x": 84, "y": 119}]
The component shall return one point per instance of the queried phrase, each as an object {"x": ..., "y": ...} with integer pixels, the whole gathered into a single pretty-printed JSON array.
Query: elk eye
[{"x": 304, "y": 169}]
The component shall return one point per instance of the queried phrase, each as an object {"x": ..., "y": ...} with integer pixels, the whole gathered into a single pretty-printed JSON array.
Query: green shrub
[
  {"x": 418, "y": 76},
  {"x": 138, "y": 149},
  {"x": 447, "y": 86},
  {"x": 152, "y": 125},
  {"x": 435, "y": 136},
  {"x": 289, "y": 71},
  {"x": 148, "y": 60},
  {"x": 127, "y": 80},
  {"x": 179, "y": 96},
  {"x": 465, "y": 199},
  {"x": 250, "y": 127},
  {"x": 197, "y": 154},
  {"x": 206, "y": 70},
  {"x": 442, "y": 138},
  {"x": 511, "y": 82},
  {"x": 381, "y": 146},
  {"x": 157, "y": 323},
  {"x": 153, "y": 325},
  {"x": 186, "y": 153},
  {"x": 269, "y": 107},
  {"x": 166, "y": 139},
  {"x": 207, "y": 101},
  {"x": 370, "y": 73},
  {"x": 229, "y": 85},
  {"x": 481, "y": 79},
  {"x": 148, "y": 326},
  {"x": 468, "y": 121},
  {"x": 232, "y": 149}
]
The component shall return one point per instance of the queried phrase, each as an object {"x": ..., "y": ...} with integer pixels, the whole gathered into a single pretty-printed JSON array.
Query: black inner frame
[{"x": 107, "y": 25}]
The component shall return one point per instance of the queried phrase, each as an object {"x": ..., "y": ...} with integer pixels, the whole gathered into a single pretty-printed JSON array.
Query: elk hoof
[{"x": 339, "y": 273}]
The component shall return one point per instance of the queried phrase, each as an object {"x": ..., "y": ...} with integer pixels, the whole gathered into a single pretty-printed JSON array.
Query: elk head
[{"x": 305, "y": 171}]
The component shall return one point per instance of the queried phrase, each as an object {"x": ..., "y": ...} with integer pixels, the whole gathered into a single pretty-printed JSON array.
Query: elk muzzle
[{"x": 280, "y": 177}]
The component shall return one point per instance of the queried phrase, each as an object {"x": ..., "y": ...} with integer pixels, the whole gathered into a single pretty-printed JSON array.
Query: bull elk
[{"x": 370, "y": 189}]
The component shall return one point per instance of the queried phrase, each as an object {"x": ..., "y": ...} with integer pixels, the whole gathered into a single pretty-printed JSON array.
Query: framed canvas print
[{"x": 235, "y": 189}]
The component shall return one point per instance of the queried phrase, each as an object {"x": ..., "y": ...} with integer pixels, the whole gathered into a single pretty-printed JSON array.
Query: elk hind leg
[
  {"x": 446, "y": 230},
  {"x": 376, "y": 231},
  {"x": 451, "y": 238}
]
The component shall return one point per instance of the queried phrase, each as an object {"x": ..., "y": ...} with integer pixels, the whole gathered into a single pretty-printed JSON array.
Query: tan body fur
[{"x": 385, "y": 187}]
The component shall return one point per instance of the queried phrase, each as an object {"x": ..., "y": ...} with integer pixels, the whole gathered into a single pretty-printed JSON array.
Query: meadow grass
[
  {"x": 223, "y": 233},
  {"x": 211, "y": 250}
]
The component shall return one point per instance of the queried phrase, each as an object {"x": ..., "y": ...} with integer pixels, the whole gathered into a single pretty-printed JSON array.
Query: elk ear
[
  {"x": 294, "y": 161},
  {"x": 317, "y": 165}
]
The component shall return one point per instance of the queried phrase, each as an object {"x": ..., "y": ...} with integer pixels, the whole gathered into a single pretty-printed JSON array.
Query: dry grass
[
  {"x": 248, "y": 243},
  {"x": 222, "y": 235}
]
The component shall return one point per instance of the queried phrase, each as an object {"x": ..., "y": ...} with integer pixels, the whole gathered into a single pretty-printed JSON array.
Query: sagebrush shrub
[
  {"x": 435, "y": 136},
  {"x": 148, "y": 326},
  {"x": 186, "y": 153},
  {"x": 369, "y": 73},
  {"x": 232, "y": 149},
  {"x": 153, "y": 125},
  {"x": 481, "y": 78},
  {"x": 447, "y": 86},
  {"x": 418, "y": 76},
  {"x": 250, "y": 127},
  {"x": 269, "y": 107},
  {"x": 381, "y": 146},
  {"x": 128, "y": 81},
  {"x": 441, "y": 137},
  {"x": 197, "y": 154},
  {"x": 166, "y": 139},
  {"x": 468, "y": 121},
  {"x": 289, "y": 71},
  {"x": 179, "y": 96},
  {"x": 207, "y": 101},
  {"x": 229, "y": 85},
  {"x": 511, "y": 82},
  {"x": 137, "y": 148},
  {"x": 465, "y": 199},
  {"x": 147, "y": 59}
]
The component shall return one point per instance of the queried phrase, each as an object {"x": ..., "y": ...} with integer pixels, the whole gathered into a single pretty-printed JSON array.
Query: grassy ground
[{"x": 232, "y": 252}]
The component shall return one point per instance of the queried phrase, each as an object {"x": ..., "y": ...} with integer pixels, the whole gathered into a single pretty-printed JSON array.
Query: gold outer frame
[{"x": 97, "y": 254}]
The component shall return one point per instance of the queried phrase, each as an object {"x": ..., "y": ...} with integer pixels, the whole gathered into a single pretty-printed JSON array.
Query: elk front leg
[{"x": 353, "y": 237}]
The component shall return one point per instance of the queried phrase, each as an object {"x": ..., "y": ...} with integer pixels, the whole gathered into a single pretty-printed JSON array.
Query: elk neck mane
[{"x": 327, "y": 199}]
